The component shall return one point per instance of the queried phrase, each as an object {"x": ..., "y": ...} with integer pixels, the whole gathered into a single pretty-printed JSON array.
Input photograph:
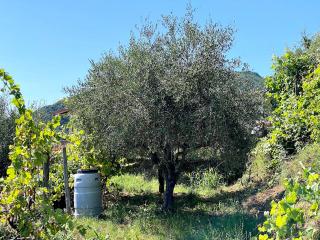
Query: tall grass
[{"x": 204, "y": 182}]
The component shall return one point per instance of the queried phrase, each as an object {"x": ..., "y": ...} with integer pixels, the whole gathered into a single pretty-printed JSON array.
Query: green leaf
[
  {"x": 11, "y": 173},
  {"x": 291, "y": 198},
  {"x": 314, "y": 207}
]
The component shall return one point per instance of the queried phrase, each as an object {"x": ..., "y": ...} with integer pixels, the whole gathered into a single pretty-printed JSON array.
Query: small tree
[{"x": 167, "y": 94}]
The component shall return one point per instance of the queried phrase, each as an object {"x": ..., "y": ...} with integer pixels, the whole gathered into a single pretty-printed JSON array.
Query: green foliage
[
  {"x": 293, "y": 216},
  {"x": 293, "y": 92},
  {"x": 82, "y": 153},
  {"x": 260, "y": 163},
  {"x": 296, "y": 121},
  {"x": 266, "y": 163},
  {"x": 25, "y": 203},
  {"x": 311, "y": 103},
  {"x": 171, "y": 89},
  {"x": 305, "y": 156}
]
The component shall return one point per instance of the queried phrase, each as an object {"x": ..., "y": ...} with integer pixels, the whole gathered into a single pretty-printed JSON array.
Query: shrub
[
  {"x": 264, "y": 161},
  {"x": 26, "y": 202},
  {"x": 206, "y": 179}
]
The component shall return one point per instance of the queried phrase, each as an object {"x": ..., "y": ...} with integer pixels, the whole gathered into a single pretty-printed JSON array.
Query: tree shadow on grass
[{"x": 195, "y": 217}]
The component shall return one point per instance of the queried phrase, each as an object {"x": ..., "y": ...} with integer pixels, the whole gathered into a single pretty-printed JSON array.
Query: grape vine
[{"x": 26, "y": 204}]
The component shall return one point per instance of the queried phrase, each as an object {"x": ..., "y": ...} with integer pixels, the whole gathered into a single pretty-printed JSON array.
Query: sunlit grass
[
  {"x": 135, "y": 214},
  {"x": 174, "y": 226},
  {"x": 130, "y": 183}
]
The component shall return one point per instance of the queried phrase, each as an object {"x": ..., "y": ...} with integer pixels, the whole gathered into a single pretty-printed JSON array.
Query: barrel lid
[{"x": 87, "y": 171}]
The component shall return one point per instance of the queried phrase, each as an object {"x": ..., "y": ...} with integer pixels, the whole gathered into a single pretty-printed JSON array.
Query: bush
[
  {"x": 207, "y": 179},
  {"x": 264, "y": 161},
  {"x": 293, "y": 92},
  {"x": 266, "y": 168},
  {"x": 6, "y": 233}
]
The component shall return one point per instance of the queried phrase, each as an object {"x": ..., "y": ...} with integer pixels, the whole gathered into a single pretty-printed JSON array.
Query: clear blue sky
[{"x": 46, "y": 45}]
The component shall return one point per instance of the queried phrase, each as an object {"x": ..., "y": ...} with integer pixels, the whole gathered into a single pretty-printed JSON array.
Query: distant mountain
[{"x": 253, "y": 77}]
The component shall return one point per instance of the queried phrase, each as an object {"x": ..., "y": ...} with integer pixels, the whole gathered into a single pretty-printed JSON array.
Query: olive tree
[{"x": 171, "y": 91}]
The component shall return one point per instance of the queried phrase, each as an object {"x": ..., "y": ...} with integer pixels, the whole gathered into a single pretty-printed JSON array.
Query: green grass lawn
[{"x": 132, "y": 211}]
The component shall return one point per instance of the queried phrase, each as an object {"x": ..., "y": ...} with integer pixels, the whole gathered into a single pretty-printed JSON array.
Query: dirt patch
[{"x": 260, "y": 202}]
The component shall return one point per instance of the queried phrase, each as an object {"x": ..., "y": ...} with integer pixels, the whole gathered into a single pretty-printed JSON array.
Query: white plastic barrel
[{"x": 87, "y": 193}]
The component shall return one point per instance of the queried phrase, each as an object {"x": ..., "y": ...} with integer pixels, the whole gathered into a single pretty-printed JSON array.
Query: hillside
[
  {"x": 252, "y": 77},
  {"x": 45, "y": 113}
]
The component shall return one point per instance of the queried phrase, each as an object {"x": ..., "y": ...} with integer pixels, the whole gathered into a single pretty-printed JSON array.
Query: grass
[
  {"x": 290, "y": 167},
  {"x": 130, "y": 183},
  {"x": 6, "y": 232},
  {"x": 258, "y": 170},
  {"x": 132, "y": 212},
  {"x": 181, "y": 225},
  {"x": 307, "y": 156},
  {"x": 204, "y": 184}
]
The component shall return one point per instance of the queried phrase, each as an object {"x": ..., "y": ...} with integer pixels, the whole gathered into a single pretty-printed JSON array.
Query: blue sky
[{"x": 46, "y": 45}]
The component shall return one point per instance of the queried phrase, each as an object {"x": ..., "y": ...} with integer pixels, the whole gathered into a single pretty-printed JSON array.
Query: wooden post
[
  {"x": 46, "y": 168},
  {"x": 65, "y": 175}
]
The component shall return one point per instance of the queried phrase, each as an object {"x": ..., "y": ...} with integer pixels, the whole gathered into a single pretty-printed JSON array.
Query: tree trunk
[
  {"x": 170, "y": 177},
  {"x": 155, "y": 160},
  {"x": 161, "y": 179},
  {"x": 170, "y": 184}
]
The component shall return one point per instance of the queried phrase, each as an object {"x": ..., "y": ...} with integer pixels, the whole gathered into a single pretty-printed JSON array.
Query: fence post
[
  {"x": 65, "y": 175},
  {"x": 46, "y": 171}
]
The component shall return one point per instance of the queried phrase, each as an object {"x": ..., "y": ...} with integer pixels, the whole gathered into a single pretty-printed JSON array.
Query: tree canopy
[{"x": 171, "y": 91}]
